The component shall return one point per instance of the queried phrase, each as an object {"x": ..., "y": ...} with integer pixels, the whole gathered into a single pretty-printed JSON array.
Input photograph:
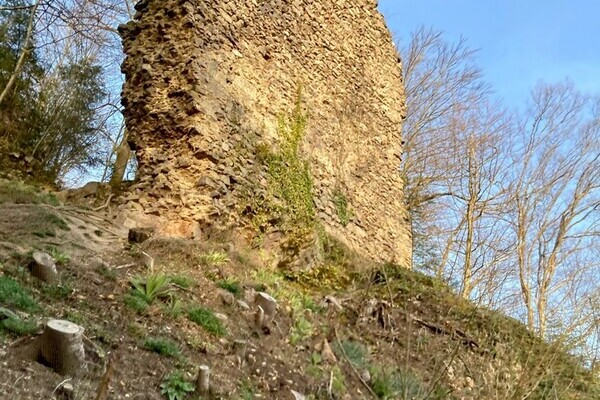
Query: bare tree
[
  {"x": 554, "y": 207},
  {"x": 441, "y": 83},
  {"x": 506, "y": 207}
]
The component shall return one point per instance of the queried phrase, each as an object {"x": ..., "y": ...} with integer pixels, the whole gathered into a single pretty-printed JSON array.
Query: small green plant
[
  {"x": 182, "y": 280},
  {"x": 107, "y": 272},
  {"x": 290, "y": 176},
  {"x": 397, "y": 384},
  {"x": 58, "y": 292},
  {"x": 57, "y": 221},
  {"x": 338, "y": 381},
  {"x": 60, "y": 257},
  {"x": 174, "y": 307},
  {"x": 300, "y": 301},
  {"x": 18, "y": 326},
  {"x": 247, "y": 390},
  {"x": 162, "y": 346},
  {"x": 75, "y": 317},
  {"x": 13, "y": 294},
  {"x": 175, "y": 387},
  {"x": 151, "y": 287},
  {"x": 302, "y": 329},
  {"x": 231, "y": 285},
  {"x": 267, "y": 278},
  {"x": 136, "y": 303},
  {"x": 207, "y": 319},
  {"x": 214, "y": 258},
  {"x": 341, "y": 206},
  {"x": 355, "y": 352}
]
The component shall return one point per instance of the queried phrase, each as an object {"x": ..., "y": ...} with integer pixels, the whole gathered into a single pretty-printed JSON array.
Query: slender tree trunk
[
  {"x": 123, "y": 153},
  {"x": 470, "y": 218},
  {"x": 23, "y": 56},
  {"x": 523, "y": 271}
]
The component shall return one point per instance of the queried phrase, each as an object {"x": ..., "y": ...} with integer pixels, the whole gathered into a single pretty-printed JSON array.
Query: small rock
[
  {"x": 242, "y": 304},
  {"x": 469, "y": 382},
  {"x": 226, "y": 297},
  {"x": 222, "y": 317},
  {"x": 365, "y": 376},
  {"x": 298, "y": 396}
]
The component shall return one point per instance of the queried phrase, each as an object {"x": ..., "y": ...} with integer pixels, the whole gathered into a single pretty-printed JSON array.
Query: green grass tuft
[
  {"x": 207, "y": 319},
  {"x": 60, "y": 257},
  {"x": 214, "y": 258},
  {"x": 18, "y": 327},
  {"x": 355, "y": 352},
  {"x": 391, "y": 384},
  {"x": 20, "y": 193},
  {"x": 135, "y": 303},
  {"x": 57, "y": 292},
  {"x": 231, "y": 286},
  {"x": 13, "y": 294},
  {"x": 162, "y": 346},
  {"x": 182, "y": 280},
  {"x": 341, "y": 206}
]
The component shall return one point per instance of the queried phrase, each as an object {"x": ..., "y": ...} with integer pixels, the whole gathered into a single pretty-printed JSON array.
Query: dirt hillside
[{"x": 154, "y": 312}]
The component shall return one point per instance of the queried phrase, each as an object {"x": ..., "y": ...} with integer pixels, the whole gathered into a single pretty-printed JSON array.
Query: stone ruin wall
[{"x": 206, "y": 79}]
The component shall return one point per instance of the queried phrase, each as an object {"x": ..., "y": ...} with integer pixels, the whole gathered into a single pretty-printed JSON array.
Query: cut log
[
  {"x": 61, "y": 346},
  {"x": 43, "y": 267},
  {"x": 266, "y": 302},
  {"x": 203, "y": 381}
]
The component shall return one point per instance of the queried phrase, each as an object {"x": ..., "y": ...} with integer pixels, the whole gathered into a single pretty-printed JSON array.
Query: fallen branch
[
  {"x": 125, "y": 266},
  {"x": 445, "y": 331}
]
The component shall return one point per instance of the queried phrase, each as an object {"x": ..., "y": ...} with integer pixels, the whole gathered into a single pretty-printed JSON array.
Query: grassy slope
[{"x": 399, "y": 334}]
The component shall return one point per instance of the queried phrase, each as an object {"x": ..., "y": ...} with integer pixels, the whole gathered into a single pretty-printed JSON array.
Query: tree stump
[
  {"x": 203, "y": 381},
  {"x": 266, "y": 302},
  {"x": 43, "y": 267},
  {"x": 61, "y": 346}
]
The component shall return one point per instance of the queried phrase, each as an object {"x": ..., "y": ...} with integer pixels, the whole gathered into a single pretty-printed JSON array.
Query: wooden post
[
  {"x": 203, "y": 381},
  {"x": 239, "y": 349},
  {"x": 61, "y": 346},
  {"x": 43, "y": 267},
  {"x": 259, "y": 319}
]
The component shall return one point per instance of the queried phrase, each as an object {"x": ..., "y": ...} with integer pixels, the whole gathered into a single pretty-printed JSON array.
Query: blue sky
[{"x": 521, "y": 41}]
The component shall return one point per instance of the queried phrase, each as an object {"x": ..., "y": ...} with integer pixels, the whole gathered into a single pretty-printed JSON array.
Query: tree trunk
[
  {"x": 61, "y": 346},
  {"x": 120, "y": 167},
  {"x": 26, "y": 50}
]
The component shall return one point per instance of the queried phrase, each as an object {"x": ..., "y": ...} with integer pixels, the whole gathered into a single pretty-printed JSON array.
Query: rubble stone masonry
[{"x": 206, "y": 81}]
